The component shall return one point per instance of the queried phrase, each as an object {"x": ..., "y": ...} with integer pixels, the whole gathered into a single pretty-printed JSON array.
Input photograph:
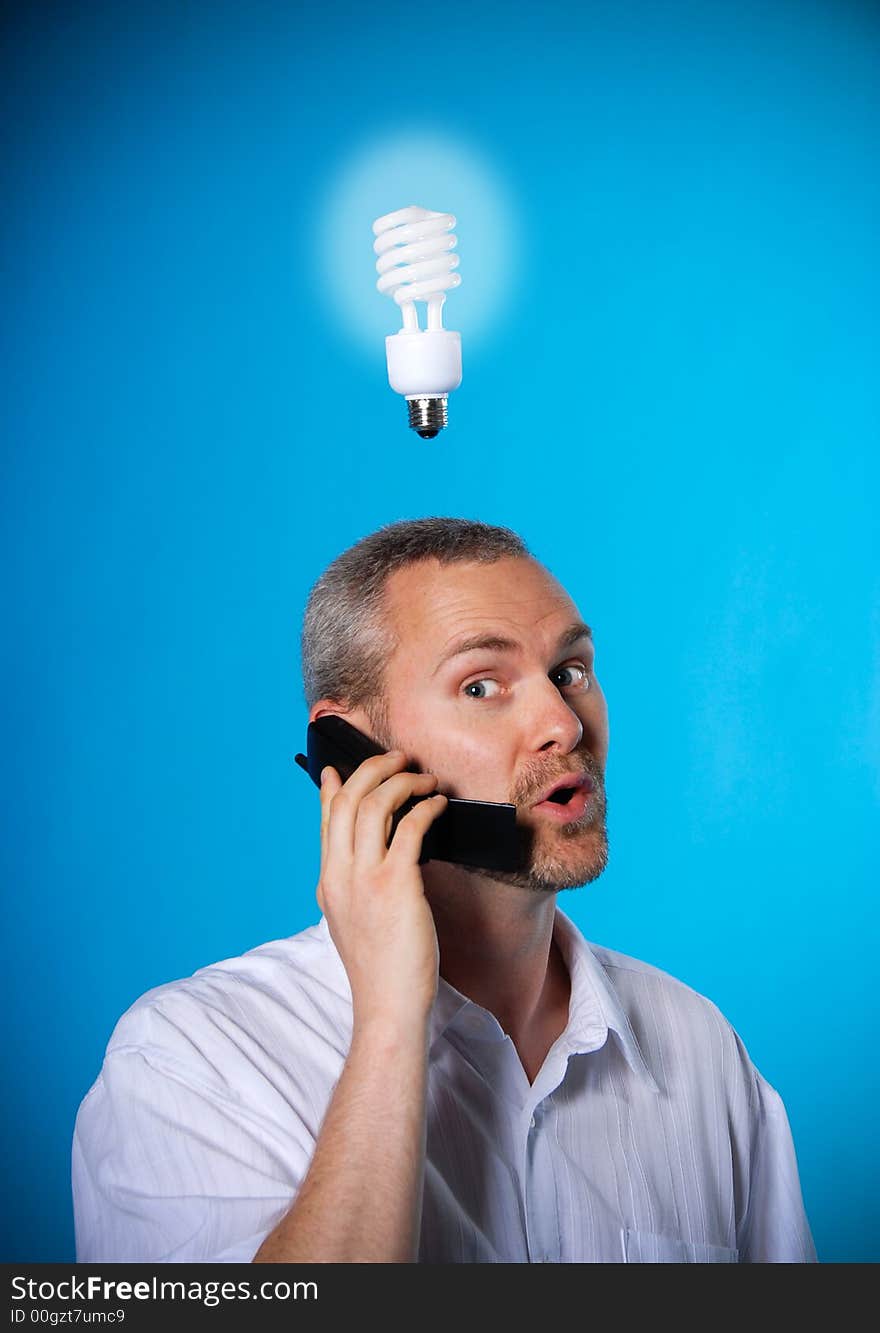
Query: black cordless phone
[{"x": 480, "y": 834}]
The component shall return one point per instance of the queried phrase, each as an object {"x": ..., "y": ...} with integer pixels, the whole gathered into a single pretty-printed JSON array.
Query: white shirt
[{"x": 647, "y": 1137}]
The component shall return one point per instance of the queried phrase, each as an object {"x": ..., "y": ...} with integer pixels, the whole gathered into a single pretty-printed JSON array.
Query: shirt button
[{"x": 532, "y": 1123}]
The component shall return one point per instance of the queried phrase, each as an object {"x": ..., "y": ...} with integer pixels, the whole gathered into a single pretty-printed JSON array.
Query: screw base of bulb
[{"x": 427, "y": 415}]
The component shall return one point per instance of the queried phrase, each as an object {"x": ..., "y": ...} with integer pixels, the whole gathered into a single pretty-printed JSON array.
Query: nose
[{"x": 556, "y": 726}]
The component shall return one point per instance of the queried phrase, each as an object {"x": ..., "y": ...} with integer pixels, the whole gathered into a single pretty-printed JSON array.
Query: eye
[
  {"x": 577, "y": 673},
  {"x": 483, "y": 689}
]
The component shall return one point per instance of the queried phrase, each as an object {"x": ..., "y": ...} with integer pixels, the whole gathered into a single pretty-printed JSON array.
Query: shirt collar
[
  {"x": 595, "y": 1003},
  {"x": 594, "y": 1007}
]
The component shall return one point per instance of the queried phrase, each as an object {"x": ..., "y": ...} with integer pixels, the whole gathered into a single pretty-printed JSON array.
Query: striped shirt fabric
[{"x": 648, "y": 1135}]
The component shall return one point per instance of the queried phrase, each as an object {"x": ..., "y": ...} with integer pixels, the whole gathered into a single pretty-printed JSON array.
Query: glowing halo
[{"x": 437, "y": 171}]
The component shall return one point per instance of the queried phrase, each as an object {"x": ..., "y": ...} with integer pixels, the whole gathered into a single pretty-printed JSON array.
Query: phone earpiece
[{"x": 480, "y": 834}]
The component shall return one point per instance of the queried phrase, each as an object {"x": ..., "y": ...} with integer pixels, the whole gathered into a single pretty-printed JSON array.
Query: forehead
[{"x": 429, "y": 605}]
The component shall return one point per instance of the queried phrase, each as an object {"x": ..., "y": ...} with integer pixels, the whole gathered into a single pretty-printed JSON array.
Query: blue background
[{"x": 667, "y": 223}]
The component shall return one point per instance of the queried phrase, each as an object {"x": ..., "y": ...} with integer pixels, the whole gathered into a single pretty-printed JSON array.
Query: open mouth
[
  {"x": 562, "y": 795},
  {"x": 569, "y": 800}
]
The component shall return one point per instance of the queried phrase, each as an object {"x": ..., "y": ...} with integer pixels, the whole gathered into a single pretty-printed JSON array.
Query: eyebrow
[{"x": 495, "y": 643}]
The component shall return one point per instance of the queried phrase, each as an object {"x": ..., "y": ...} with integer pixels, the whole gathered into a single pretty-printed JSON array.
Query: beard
[
  {"x": 553, "y": 856},
  {"x": 562, "y": 856}
]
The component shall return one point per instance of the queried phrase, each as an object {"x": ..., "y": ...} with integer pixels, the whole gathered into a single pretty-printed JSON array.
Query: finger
[
  {"x": 330, "y": 784},
  {"x": 375, "y": 815},
  {"x": 406, "y": 845},
  {"x": 344, "y": 803}
]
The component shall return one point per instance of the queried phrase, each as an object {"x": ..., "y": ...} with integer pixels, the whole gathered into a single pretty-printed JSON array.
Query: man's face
[{"x": 504, "y": 718}]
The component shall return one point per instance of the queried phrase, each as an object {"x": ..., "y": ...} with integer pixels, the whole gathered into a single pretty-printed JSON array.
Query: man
[{"x": 443, "y": 1069}]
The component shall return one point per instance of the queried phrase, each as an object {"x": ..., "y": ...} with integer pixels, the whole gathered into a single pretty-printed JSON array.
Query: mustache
[{"x": 533, "y": 781}]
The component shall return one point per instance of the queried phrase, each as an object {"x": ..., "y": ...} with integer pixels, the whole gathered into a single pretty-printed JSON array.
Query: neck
[{"x": 496, "y": 947}]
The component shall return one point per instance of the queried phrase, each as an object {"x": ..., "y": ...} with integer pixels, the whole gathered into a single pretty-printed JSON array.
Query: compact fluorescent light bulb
[{"x": 415, "y": 264}]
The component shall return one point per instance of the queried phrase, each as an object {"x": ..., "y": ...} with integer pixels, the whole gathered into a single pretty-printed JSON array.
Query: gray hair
[{"x": 346, "y": 643}]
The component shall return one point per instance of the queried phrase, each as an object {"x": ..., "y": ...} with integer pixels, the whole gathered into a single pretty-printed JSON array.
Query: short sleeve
[
  {"x": 775, "y": 1228},
  {"x": 168, "y": 1166}
]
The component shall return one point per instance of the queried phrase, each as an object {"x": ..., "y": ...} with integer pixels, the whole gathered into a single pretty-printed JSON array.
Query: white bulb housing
[{"x": 415, "y": 263}]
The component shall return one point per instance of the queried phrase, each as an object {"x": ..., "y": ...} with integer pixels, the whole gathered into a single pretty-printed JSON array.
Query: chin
[{"x": 573, "y": 856}]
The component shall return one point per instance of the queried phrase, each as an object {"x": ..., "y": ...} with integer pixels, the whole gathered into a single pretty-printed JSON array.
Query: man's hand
[
  {"x": 361, "y": 1199},
  {"x": 372, "y": 893}
]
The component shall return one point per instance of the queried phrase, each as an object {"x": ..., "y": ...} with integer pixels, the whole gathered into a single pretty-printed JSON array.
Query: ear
[{"x": 356, "y": 716}]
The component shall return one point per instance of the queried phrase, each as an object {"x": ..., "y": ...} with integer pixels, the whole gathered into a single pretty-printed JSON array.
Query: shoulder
[
  {"x": 250, "y": 1009},
  {"x": 633, "y": 975},
  {"x": 684, "y": 1035}
]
